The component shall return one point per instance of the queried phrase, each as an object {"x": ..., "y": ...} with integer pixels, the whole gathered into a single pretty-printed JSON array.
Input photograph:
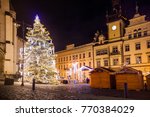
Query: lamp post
[
  {"x": 24, "y": 25},
  {"x": 23, "y": 31}
]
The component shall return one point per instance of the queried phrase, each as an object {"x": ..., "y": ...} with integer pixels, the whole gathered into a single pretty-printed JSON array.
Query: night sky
[{"x": 73, "y": 21}]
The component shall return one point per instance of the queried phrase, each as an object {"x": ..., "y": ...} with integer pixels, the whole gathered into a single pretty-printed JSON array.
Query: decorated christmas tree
[{"x": 39, "y": 55}]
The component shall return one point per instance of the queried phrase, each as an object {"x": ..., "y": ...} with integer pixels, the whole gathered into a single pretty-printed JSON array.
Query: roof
[
  {"x": 102, "y": 69},
  {"x": 148, "y": 76},
  {"x": 84, "y": 68},
  {"x": 128, "y": 70}
]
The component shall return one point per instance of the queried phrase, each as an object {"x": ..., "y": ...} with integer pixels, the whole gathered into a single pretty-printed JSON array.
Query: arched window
[
  {"x": 135, "y": 33},
  {"x": 139, "y": 32}
]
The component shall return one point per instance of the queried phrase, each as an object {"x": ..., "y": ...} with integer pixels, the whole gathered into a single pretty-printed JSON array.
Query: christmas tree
[{"x": 39, "y": 55}]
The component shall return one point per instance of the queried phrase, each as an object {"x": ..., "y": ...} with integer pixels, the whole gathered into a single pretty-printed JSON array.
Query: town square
[{"x": 74, "y": 50}]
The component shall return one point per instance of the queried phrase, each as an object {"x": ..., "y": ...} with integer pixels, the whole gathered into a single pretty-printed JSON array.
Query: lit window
[
  {"x": 127, "y": 60},
  {"x": 105, "y": 62},
  {"x": 138, "y": 59},
  {"x": 115, "y": 61},
  {"x": 137, "y": 46},
  {"x": 148, "y": 44},
  {"x": 127, "y": 48}
]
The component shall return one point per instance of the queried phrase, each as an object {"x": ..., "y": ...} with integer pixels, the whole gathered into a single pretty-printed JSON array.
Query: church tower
[
  {"x": 8, "y": 38},
  {"x": 115, "y": 23}
]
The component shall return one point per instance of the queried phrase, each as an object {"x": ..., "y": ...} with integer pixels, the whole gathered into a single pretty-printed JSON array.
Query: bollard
[
  {"x": 33, "y": 84},
  {"x": 125, "y": 90}
]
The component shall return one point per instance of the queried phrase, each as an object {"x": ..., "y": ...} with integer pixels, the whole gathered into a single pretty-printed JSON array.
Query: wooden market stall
[
  {"x": 102, "y": 78},
  {"x": 148, "y": 81},
  {"x": 132, "y": 77}
]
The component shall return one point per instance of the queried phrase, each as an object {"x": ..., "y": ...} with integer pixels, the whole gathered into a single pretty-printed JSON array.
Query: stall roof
[
  {"x": 128, "y": 70},
  {"x": 102, "y": 69}
]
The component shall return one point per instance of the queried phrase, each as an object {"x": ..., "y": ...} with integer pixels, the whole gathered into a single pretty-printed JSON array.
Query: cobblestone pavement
[{"x": 64, "y": 92}]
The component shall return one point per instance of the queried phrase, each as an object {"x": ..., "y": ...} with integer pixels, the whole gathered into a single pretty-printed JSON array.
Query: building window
[
  {"x": 79, "y": 56},
  {"x": 101, "y": 52},
  {"x": 138, "y": 60},
  {"x": 76, "y": 56},
  {"x": 148, "y": 44},
  {"x": 0, "y": 3},
  {"x": 105, "y": 62},
  {"x": 135, "y": 33},
  {"x": 145, "y": 33},
  {"x": 84, "y": 64},
  {"x": 70, "y": 58},
  {"x": 64, "y": 58},
  {"x": 73, "y": 57},
  {"x": 130, "y": 36},
  {"x": 80, "y": 64},
  {"x": 89, "y": 54},
  {"x": 137, "y": 46},
  {"x": 97, "y": 52},
  {"x": 139, "y": 32},
  {"x": 115, "y": 61},
  {"x": 115, "y": 49},
  {"x": 127, "y": 61},
  {"x": 83, "y": 55},
  {"x": 148, "y": 58},
  {"x": 67, "y": 58},
  {"x": 98, "y": 63},
  {"x": 127, "y": 48},
  {"x": 89, "y": 64}
]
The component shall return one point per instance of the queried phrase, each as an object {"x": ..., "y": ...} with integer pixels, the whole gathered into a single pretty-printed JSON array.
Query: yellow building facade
[
  {"x": 8, "y": 39},
  {"x": 75, "y": 62},
  {"x": 131, "y": 48},
  {"x": 128, "y": 44}
]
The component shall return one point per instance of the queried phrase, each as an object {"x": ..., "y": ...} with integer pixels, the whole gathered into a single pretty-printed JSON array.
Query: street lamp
[{"x": 24, "y": 25}]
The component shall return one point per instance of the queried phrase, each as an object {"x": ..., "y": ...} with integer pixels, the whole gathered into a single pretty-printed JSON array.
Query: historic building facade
[
  {"x": 75, "y": 62},
  {"x": 8, "y": 38},
  {"x": 128, "y": 44}
]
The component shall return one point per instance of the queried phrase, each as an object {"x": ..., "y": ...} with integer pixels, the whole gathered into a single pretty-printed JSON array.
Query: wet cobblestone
[{"x": 64, "y": 92}]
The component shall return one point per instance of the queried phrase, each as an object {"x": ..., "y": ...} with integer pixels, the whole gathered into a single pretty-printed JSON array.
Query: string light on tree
[{"x": 39, "y": 55}]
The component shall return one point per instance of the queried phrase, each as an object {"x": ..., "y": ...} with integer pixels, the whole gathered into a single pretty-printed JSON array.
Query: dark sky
[{"x": 73, "y": 21}]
